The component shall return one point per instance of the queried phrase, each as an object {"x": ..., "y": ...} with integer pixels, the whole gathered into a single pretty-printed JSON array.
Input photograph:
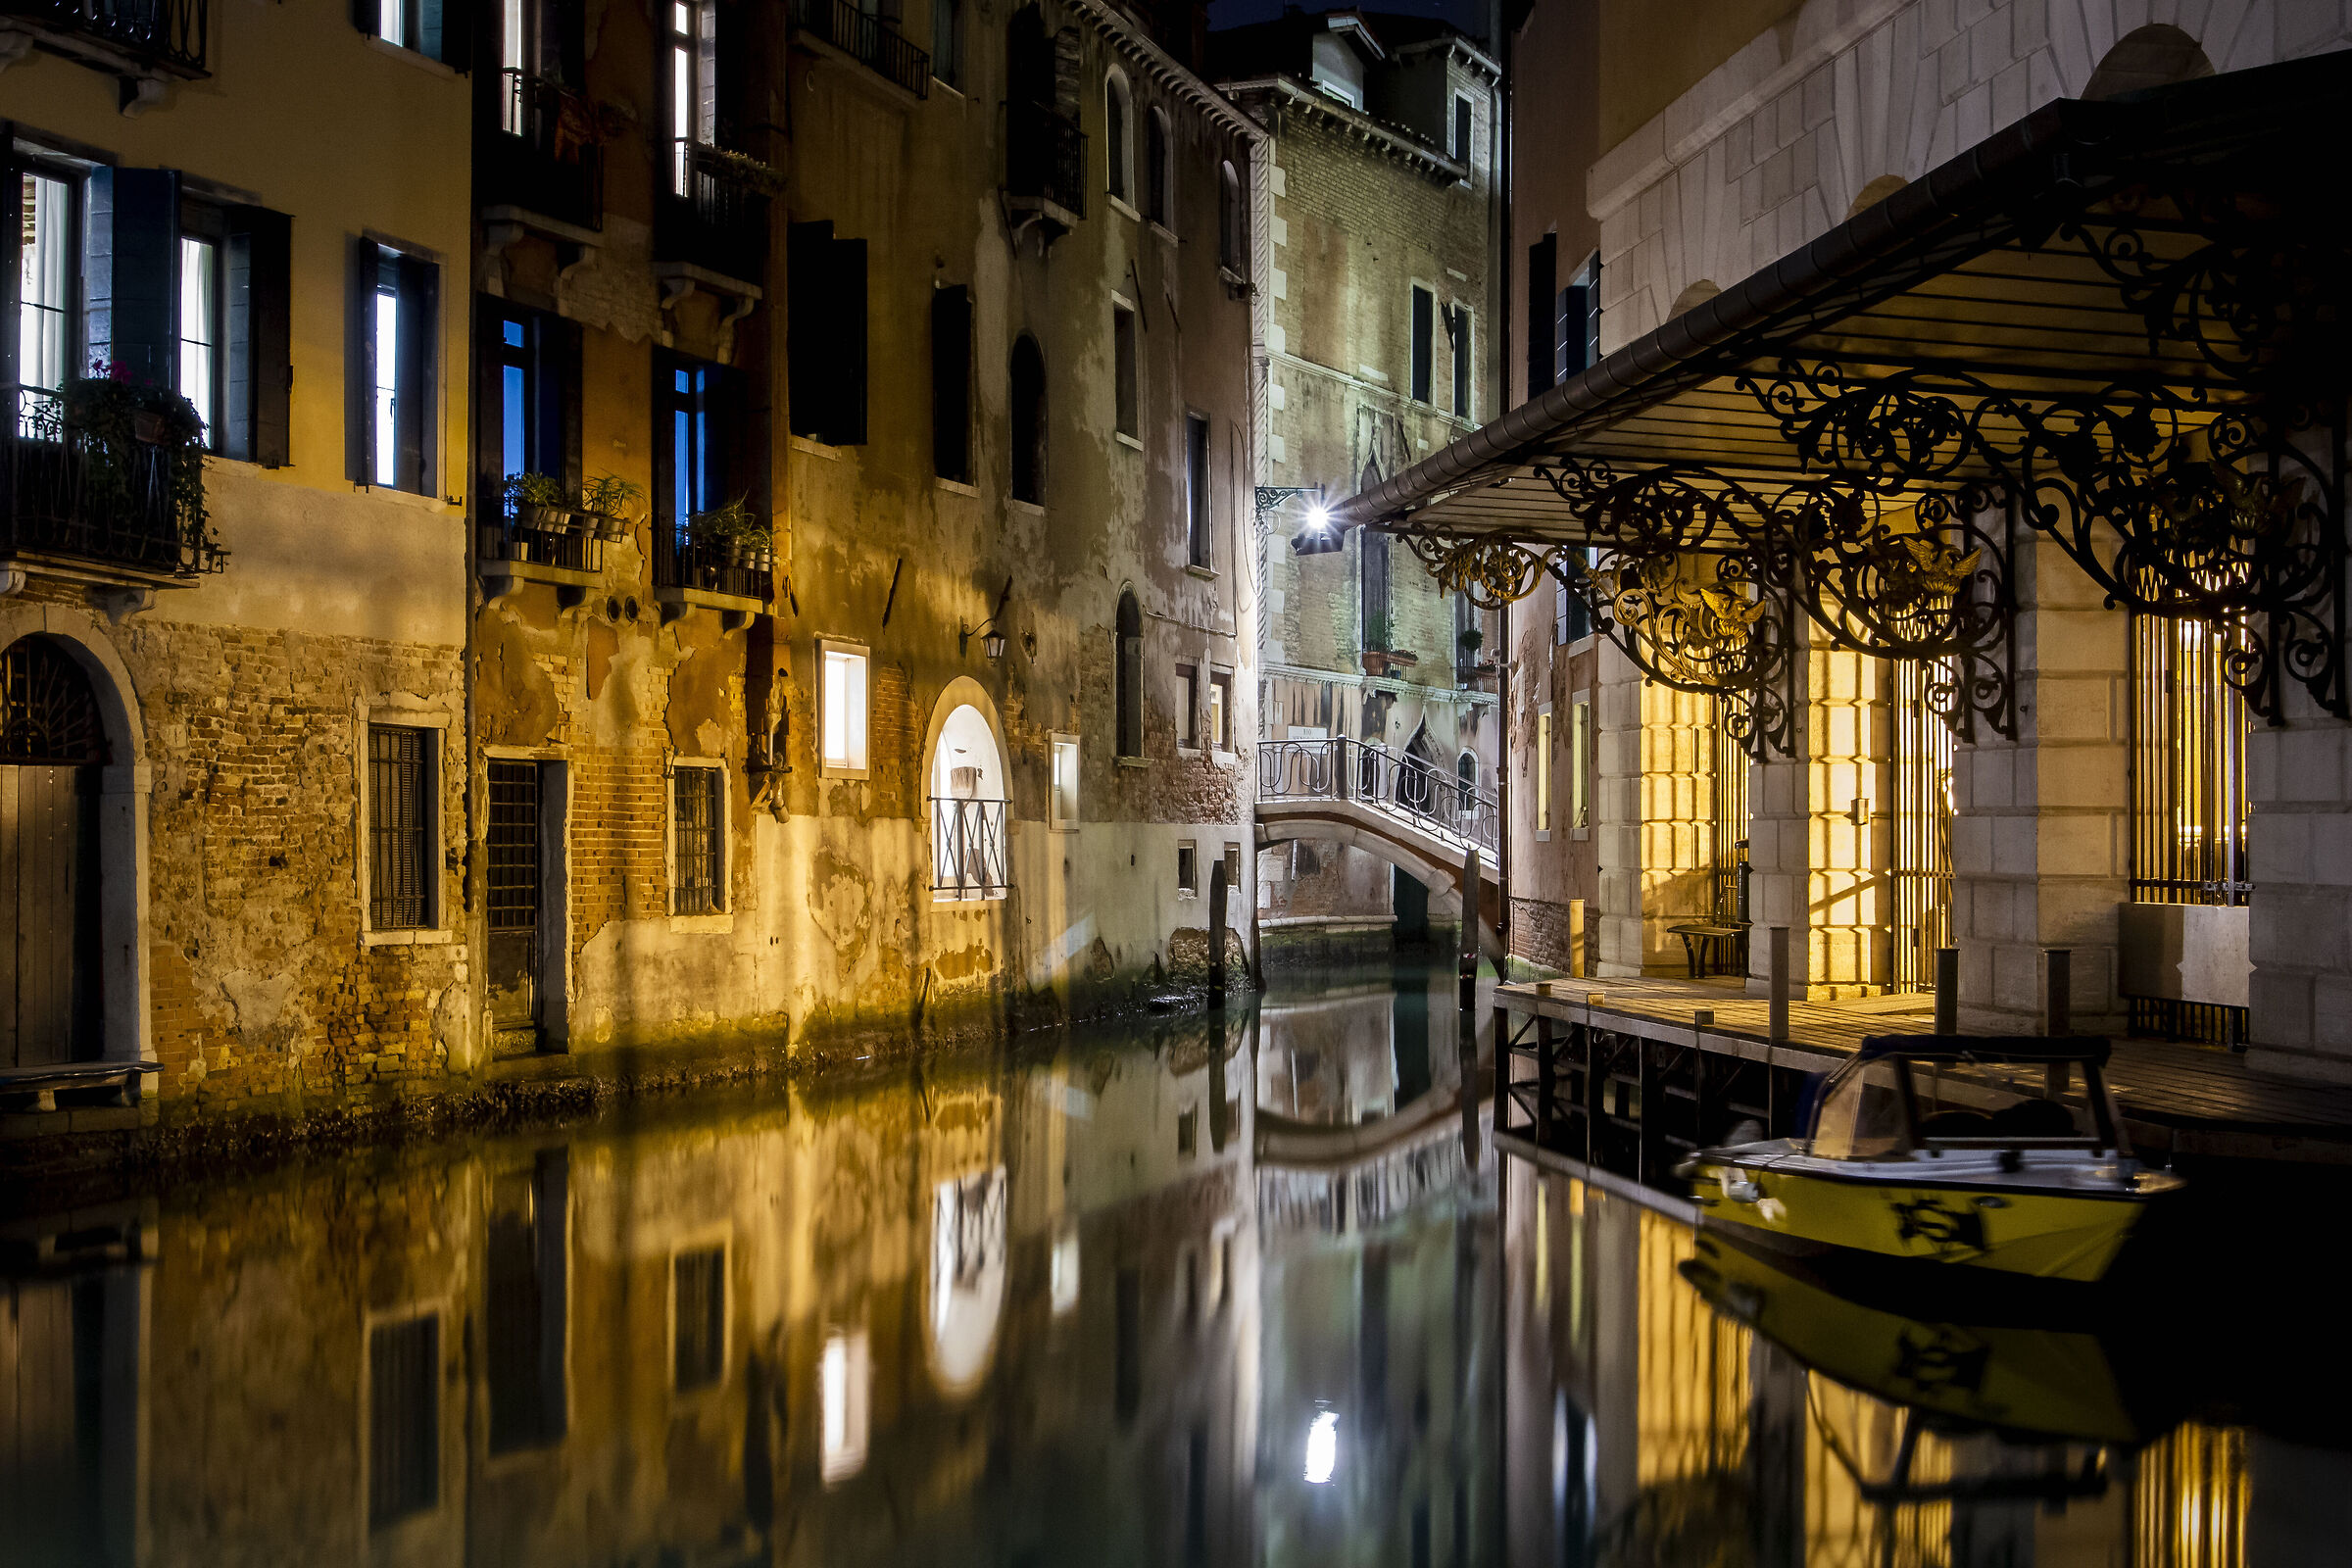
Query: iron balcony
[
  {"x": 163, "y": 35},
  {"x": 541, "y": 154},
  {"x": 868, "y": 39},
  {"x": 61, "y": 495}
]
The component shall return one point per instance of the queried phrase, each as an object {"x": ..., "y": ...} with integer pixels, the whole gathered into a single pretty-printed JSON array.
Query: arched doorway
[{"x": 52, "y": 749}]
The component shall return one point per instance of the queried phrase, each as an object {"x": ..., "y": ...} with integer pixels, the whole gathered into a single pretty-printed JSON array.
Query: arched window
[
  {"x": 968, "y": 805},
  {"x": 1160, "y": 171},
  {"x": 1128, "y": 657},
  {"x": 2154, "y": 56},
  {"x": 1233, "y": 234},
  {"x": 1465, "y": 772},
  {"x": 1028, "y": 420},
  {"x": 1118, "y": 138}
]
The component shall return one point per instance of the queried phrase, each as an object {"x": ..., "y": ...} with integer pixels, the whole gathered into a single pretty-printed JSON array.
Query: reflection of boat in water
[{"x": 1941, "y": 1149}]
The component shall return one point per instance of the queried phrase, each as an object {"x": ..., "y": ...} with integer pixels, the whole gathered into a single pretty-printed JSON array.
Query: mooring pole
[
  {"x": 1217, "y": 933},
  {"x": 1469, "y": 935},
  {"x": 1777, "y": 962},
  {"x": 1947, "y": 991}
]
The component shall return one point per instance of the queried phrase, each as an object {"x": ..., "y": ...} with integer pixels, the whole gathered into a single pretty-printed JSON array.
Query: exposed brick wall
[{"x": 1539, "y": 934}]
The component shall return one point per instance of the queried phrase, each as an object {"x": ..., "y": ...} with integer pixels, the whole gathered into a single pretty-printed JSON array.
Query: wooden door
[{"x": 51, "y": 1002}]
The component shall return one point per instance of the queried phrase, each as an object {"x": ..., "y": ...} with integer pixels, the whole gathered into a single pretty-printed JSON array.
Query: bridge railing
[{"x": 1432, "y": 798}]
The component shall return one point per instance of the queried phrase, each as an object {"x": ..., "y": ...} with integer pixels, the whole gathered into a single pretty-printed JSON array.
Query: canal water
[{"x": 1225, "y": 1290}]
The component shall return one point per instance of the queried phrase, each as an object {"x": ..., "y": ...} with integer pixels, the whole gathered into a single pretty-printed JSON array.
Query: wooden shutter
[
  {"x": 952, "y": 383},
  {"x": 259, "y": 371},
  {"x": 1542, "y": 283},
  {"x": 454, "y": 45},
  {"x": 414, "y": 399},
  {"x": 850, "y": 342},
  {"x": 808, "y": 257},
  {"x": 132, "y": 271}
]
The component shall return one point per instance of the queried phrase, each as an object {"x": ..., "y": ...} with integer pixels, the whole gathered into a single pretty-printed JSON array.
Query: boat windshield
[
  {"x": 1861, "y": 1114},
  {"x": 1990, "y": 1101}
]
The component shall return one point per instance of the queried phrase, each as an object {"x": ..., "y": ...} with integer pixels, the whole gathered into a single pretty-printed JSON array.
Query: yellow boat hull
[{"x": 2055, "y": 1236}]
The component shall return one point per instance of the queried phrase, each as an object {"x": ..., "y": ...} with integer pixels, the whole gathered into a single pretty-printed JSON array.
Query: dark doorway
[
  {"x": 519, "y": 858},
  {"x": 52, "y": 746}
]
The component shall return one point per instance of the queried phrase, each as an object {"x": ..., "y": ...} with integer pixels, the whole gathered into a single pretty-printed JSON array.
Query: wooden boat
[{"x": 1961, "y": 1149}]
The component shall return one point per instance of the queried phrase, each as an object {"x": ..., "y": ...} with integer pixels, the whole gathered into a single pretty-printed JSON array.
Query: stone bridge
[{"x": 1421, "y": 820}]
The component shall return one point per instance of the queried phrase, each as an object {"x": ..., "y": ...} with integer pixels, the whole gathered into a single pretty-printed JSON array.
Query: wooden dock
[{"x": 2176, "y": 1099}]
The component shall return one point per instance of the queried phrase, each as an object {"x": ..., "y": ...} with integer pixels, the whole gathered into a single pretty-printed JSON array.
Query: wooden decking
[{"x": 2176, "y": 1099}]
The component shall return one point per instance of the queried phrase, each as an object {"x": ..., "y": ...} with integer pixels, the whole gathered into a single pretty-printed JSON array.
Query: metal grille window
[
  {"x": 967, "y": 849},
  {"x": 1729, "y": 892},
  {"x": 1923, "y": 826},
  {"x": 699, "y": 1316},
  {"x": 699, "y": 840},
  {"x": 404, "y": 1420},
  {"x": 399, "y": 827},
  {"x": 514, "y": 844}
]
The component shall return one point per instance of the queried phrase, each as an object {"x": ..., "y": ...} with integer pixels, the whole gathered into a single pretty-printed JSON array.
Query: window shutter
[
  {"x": 133, "y": 272},
  {"x": 416, "y": 399},
  {"x": 850, "y": 348},
  {"x": 367, "y": 17},
  {"x": 952, "y": 383},
  {"x": 809, "y": 254},
  {"x": 454, "y": 47},
  {"x": 560, "y": 388},
  {"x": 359, "y": 363},
  {"x": 1543, "y": 284},
  {"x": 11, "y": 239},
  {"x": 260, "y": 371}
]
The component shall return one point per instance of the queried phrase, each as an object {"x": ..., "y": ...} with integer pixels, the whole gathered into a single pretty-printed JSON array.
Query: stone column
[
  {"x": 2299, "y": 839},
  {"x": 1654, "y": 813},
  {"x": 2041, "y": 829}
]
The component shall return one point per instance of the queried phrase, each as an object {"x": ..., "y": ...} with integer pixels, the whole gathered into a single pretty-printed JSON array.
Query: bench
[
  {"x": 78, "y": 1083},
  {"x": 1703, "y": 944}
]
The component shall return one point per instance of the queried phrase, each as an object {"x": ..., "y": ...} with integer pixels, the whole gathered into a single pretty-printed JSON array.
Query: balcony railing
[
  {"x": 1045, "y": 158},
  {"x": 720, "y": 222},
  {"x": 967, "y": 849},
  {"x": 868, "y": 39},
  {"x": 64, "y": 493},
  {"x": 710, "y": 566},
  {"x": 1398, "y": 783},
  {"x": 542, "y": 154},
  {"x": 573, "y": 550},
  {"x": 169, "y": 33}
]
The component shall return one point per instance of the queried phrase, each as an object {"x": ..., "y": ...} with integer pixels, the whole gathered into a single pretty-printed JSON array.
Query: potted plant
[
  {"x": 538, "y": 502},
  {"x": 605, "y": 502},
  {"x": 1470, "y": 638},
  {"x": 731, "y": 530}
]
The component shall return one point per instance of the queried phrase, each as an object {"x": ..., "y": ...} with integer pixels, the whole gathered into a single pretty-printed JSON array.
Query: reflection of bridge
[{"x": 1422, "y": 820}]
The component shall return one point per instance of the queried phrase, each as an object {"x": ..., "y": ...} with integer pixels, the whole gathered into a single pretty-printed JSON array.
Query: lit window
[
  {"x": 400, "y": 292},
  {"x": 1063, "y": 1283},
  {"x": 693, "y": 87},
  {"x": 1187, "y": 706},
  {"x": 431, "y": 28},
  {"x": 47, "y": 287},
  {"x": 1543, "y": 770},
  {"x": 1580, "y": 763},
  {"x": 842, "y": 699},
  {"x": 199, "y": 325},
  {"x": 698, "y": 876},
  {"x": 1065, "y": 781},
  {"x": 1220, "y": 711},
  {"x": 1322, "y": 1448}
]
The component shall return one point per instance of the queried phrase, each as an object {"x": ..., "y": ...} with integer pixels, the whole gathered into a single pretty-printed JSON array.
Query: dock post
[
  {"x": 1947, "y": 991},
  {"x": 1471, "y": 898},
  {"x": 1547, "y": 1080},
  {"x": 1777, "y": 961},
  {"x": 1576, "y": 938},
  {"x": 1217, "y": 933},
  {"x": 2057, "y": 996}
]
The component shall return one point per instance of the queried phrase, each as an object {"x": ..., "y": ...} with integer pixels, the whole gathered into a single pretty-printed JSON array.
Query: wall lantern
[{"x": 990, "y": 635}]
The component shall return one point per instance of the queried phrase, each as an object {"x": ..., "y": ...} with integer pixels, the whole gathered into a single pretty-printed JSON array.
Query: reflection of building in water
[
  {"x": 1344, "y": 1056},
  {"x": 966, "y": 1317},
  {"x": 1646, "y": 1427}
]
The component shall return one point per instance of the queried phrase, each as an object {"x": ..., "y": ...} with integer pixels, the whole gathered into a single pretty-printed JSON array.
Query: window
[
  {"x": 842, "y": 699},
  {"x": 698, "y": 842},
  {"x": 1123, "y": 366},
  {"x": 1580, "y": 764},
  {"x": 1862, "y": 1115},
  {"x": 1160, "y": 171},
  {"x": 1220, "y": 711},
  {"x": 691, "y": 42},
  {"x": 1577, "y": 334},
  {"x": 200, "y": 330},
  {"x": 401, "y": 818},
  {"x": 691, "y": 398},
  {"x": 1232, "y": 231},
  {"x": 1028, "y": 387},
  {"x": 1544, "y": 769},
  {"x": 1375, "y": 589},
  {"x": 1066, "y": 782},
  {"x": 1425, "y": 333},
  {"x": 404, "y": 1419},
  {"x": 1461, "y": 128},
  {"x": 530, "y": 399},
  {"x": 1127, "y": 653},
  {"x": 1188, "y": 1142},
  {"x": 952, "y": 383},
  {"x": 947, "y": 42},
  {"x": 1198, "y": 548},
  {"x": 397, "y": 314},
  {"x": 431, "y": 28},
  {"x": 1119, "y": 138},
  {"x": 48, "y": 331},
  {"x": 1542, "y": 284},
  {"x": 1571, "y": 618},
  {"x": 1187, "y": 706},
  {"x": 1457, "y": 329},
  {"x": 699, "y": 1317},
  {"x": 1188, "y": 868},
  {"x": 826, "y": 347}
]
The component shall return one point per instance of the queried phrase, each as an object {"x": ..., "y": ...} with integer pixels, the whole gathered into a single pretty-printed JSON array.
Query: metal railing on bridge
[{"x": 1432, "y": 798}]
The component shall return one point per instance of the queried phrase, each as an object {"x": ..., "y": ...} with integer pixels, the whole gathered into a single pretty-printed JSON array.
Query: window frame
[
  {"x": 1461, "y": 332},
  {"x": 73, "y": 315},
  {"x": 1580, "y": 764},
  {"x": 1126, "y": 371},
  {"x": 1221, "y": 723},
  {"x": 952, "y": 406},
  {"x": 946, "y": 18},
  {"x": 416, "y": 373},
  {"x": 394, "y": 1319},
  {"x": 1188, "y": 865},
  {"x": 1032, "y": 440},
  {"x": 689, "y": 64},
  {"x": 438, "y": 723},
  {"x": 1421, "y": 339},
  {"x": 214, "y": 408},
  {"x": 1118, "y": 140},
  {"x": 1061, "y": 746},
  {"x": 1464, "y": 127},
  {"x": 1233, "y": 222},
  {"x": 1543, "y": 773},
  {"x": 1188, "y": 707},
  {"x": 862, "y": 767},
  {"x": 1200, "y": 492},
  {"x": 720, "y": 802},
  {"x": 1160, "y": 176}
]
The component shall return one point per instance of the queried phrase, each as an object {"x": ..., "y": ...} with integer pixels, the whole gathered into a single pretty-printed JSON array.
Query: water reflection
[{"x": 1015, "y": 1312}]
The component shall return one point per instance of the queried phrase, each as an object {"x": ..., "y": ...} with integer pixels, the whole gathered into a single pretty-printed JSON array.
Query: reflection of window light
[
  {"x": 843, "y": 1376},
  {"x": 1065, "y": 1271},
  {"x": 1322, "y": 1446}
]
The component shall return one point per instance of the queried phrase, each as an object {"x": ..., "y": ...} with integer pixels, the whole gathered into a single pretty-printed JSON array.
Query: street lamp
[
  {"x": 1316, "y": 536},
  {"x": 992, "y": 636}
]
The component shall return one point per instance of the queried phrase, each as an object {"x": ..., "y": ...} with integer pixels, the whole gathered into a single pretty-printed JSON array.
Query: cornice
[{"x": 1395, "y": 141}]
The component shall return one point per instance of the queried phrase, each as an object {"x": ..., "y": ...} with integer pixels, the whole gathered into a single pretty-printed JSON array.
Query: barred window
[
  {"x": 399, "y": 827},
  {"x": 699, "y": 844}
]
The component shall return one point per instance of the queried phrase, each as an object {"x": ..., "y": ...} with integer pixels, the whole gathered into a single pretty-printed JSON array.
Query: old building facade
[
  {"x": 2123, "y": 785},
  {"x": 1377, "y": 340}
]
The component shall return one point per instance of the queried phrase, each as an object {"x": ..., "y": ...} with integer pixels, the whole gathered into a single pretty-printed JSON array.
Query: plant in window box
[
  {"x": 539, "y": 501},
  {"x": 732, "y": 530},
  {"x": 605, "y": 501},
  {"x": 740, "y": 168},
  {"x": 139, "y": 441}
]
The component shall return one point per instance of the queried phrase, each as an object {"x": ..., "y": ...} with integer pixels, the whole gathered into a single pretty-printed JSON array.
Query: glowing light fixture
[{"x": 1322, "y": 1448}]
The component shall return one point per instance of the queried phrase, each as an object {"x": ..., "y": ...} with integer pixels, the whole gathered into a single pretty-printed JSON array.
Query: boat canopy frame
[
  {"x": 2119, "y": 325},
  {"x": 2057, "y": 1057}
]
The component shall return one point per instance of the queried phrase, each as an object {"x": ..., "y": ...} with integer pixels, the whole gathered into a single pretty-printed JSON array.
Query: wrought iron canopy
[{"x": 2121, "y": 325}]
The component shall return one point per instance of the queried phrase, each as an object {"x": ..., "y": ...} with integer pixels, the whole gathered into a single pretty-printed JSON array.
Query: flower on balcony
[
  {"x": 143, "y": 444},
  {"x": 740, "y": 168}
]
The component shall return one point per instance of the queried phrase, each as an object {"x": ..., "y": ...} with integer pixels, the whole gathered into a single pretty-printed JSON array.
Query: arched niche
[
  {"x": 1877, "y": 191},
  {"x": 2154, "y": 56},
  {"x": 1692, "y": 298}
]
